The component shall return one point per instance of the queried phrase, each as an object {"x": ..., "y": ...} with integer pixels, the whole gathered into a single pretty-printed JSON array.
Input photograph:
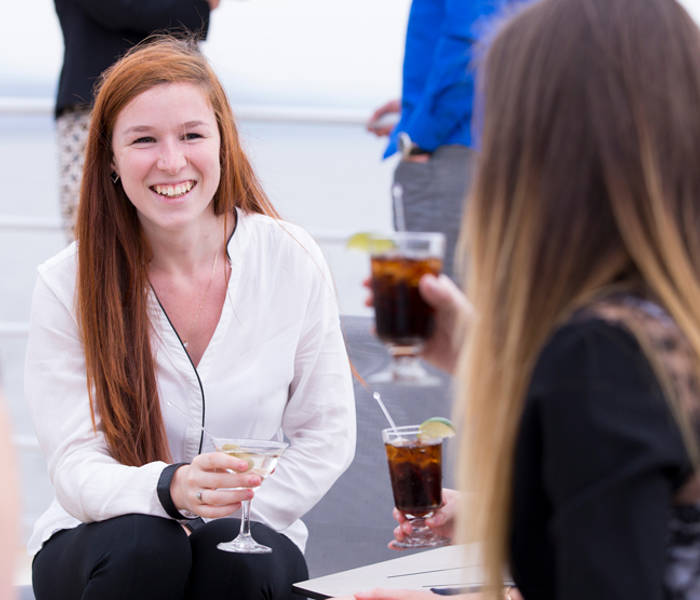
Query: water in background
[{"x": 323, "y": 177}]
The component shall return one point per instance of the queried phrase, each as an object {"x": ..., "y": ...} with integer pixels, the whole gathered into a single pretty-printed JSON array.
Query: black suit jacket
[{"x": 97, "y": 32}]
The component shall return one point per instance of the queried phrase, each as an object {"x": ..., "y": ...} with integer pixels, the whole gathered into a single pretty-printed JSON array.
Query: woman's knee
[
  {"x": 135, "y": 556},
  {"x": 253, "y": 576},
  {"x": 151, "y": 543}
]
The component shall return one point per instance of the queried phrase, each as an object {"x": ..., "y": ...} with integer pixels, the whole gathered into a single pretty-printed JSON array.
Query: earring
[{"x": 115, "y": 177}]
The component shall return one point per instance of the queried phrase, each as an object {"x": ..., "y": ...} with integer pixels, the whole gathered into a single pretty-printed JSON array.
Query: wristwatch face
[{"x": 405, "y": 144}]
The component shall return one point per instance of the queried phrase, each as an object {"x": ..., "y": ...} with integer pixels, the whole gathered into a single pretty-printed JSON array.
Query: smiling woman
[
  {"x": 166, "y": 148},
  {"x": 166, "y": 151},
  {"x": 181, "y": 278}
]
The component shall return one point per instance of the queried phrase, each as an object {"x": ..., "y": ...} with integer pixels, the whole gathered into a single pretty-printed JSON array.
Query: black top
[
  {"x": 97, "y": 32},
  {"x": 598, "y": 458}
]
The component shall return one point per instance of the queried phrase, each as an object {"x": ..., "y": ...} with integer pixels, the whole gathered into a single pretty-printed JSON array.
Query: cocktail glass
[
  {"x": 415, "y": 468},
  {"x": 262, "y": 456},
  {"x": 403, "y": 320}
]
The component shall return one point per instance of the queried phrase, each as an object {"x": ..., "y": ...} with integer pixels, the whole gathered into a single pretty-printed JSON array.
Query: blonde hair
[{"x": 586, "y": 183}]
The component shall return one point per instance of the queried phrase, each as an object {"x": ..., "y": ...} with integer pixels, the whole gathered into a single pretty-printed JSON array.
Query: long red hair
[{"x": 112, "y": 285}]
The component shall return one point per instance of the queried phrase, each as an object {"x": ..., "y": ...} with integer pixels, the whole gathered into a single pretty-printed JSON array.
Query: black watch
[{"x": 407, "y": 147}]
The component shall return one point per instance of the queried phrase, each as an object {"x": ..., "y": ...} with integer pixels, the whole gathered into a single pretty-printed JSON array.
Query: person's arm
[
  {"x": 446, "y": 101},
  {"x": 89, "y": 484},
  {"x": 453, "y": 316},
  {"x": 319, "y": 419},
  {"x": 389, "y": 594},
  {"x": 380, "y": 122},
  {"x": 612, "y": 457},
  {"x": 149, "y": 15},
  {"x": 9, "y": 507},
  {"x": 509, "y": 593}
]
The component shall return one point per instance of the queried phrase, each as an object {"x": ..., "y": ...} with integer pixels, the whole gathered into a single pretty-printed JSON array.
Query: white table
[{"x": 446, "y": 567}]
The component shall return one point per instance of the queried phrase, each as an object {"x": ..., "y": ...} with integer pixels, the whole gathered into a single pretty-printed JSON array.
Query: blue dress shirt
[{"x": 438, "y": 70}]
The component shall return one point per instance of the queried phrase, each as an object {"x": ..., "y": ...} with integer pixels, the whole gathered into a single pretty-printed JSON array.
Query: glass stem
[{"x": 245, "y": 518}]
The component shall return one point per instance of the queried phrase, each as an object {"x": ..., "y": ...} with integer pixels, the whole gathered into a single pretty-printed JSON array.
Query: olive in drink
[{"x": 260, "y": 463}]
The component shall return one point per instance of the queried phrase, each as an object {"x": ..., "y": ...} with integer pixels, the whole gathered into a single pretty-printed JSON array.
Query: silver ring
[{"x": 199, "y": 496}]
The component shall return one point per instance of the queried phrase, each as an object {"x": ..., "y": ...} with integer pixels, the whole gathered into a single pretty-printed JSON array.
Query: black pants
[{"x": 139, "y": 556}]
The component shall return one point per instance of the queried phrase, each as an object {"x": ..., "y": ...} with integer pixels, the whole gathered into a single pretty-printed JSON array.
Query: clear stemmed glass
[
  {"x": 262, "y": 456},
  {"x": 404, "y": 320}
]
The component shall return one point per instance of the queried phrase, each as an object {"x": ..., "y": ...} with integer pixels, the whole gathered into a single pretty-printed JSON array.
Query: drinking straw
[
  {"x": 397, "y": 196},
  {"x": 378, "y": 398}
]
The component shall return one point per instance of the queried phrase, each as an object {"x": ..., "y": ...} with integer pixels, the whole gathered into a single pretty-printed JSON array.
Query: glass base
[
  {"x": 244, "y": 544},
  {"x": 421, "y": 537},
  {"x": 407, "y": 370}
]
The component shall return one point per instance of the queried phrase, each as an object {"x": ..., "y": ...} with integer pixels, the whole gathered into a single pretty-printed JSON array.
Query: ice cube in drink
[
  {"x": 415, "y": 469},
  {"x": 402, "y": 317}
]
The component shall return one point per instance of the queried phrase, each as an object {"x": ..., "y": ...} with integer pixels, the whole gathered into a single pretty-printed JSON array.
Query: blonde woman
[{"x": 578, "y": 380}]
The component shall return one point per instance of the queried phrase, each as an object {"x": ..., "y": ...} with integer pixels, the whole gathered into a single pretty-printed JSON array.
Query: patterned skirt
[{"x": 71, "y": 137}]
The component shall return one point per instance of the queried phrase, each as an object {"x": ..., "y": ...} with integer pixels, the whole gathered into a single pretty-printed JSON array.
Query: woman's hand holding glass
[
  {"x": 202, "y": 487},
  {"x": 453, "y": 314},
  {"x": 442, "y": 522}
]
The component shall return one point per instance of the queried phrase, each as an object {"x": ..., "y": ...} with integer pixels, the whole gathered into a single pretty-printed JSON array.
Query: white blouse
[{"x": 276, "y": 360}]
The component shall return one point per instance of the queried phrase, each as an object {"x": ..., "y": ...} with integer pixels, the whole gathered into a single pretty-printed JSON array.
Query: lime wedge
[
  {"x": 369, "y": 242},
  {"x": 436, "y": 428}
]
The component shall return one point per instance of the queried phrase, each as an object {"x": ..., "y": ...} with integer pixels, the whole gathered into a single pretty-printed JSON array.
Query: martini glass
[{"x": 262, "y": 457}]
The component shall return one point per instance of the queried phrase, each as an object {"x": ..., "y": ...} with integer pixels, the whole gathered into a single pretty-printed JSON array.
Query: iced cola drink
[
  {"x": 402, "y": 317},
  {"x": 404, "y": 320},
  {"x": 415, "y": 470}
]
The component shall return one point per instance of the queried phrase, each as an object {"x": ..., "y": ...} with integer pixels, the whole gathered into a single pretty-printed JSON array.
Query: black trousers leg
[
  {"x": 224, "y": 575},
  {"x": 132, "y": 556}
]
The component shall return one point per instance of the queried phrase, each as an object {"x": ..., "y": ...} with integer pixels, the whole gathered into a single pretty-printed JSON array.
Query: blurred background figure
[
  {"x": 9, "y": 508},
  {"x": 95, "y": 34},
  {"x": 433, "y": 134}
]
